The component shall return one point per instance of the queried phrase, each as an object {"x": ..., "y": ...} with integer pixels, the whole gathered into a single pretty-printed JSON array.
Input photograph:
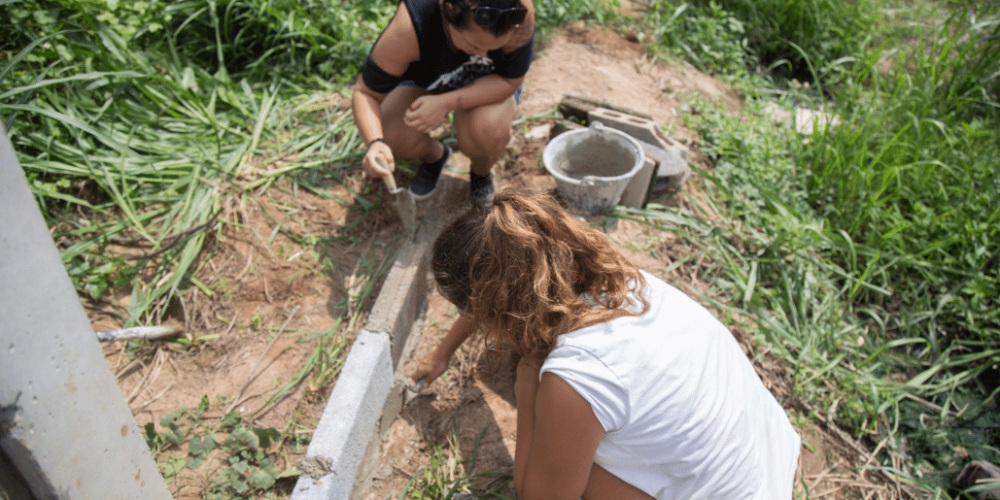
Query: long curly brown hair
[{"x": 528, "y": 271}]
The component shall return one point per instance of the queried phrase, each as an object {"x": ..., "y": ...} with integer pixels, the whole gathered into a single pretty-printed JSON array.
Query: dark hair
[
  {"x": 460, "y": 13},
  {"x": 528, "y": 271}
]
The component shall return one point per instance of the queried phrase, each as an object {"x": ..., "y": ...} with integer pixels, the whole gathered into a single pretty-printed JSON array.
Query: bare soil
[{"x": 272, "y": 296}]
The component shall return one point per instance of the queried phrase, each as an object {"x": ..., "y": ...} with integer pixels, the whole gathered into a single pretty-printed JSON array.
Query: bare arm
[
  {"x": 394, "y": 51},
  {"x": 488, "y": 89},
  {"x": 557, "y": 438},
  {"x": 436, "y": 362}
]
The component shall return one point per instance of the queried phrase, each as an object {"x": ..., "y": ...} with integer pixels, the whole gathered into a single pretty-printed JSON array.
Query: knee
[
  {"x": 484, "y": 138},
  {"x": 404, "y": 141}
]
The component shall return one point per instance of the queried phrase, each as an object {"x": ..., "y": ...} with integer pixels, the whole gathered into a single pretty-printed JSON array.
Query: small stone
[
  {"x": 539, "y": 132},
  {"x": 384, "y": 472}
]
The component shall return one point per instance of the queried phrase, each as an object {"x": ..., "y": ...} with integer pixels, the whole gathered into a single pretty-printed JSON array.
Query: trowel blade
[{"x": 406, "y": 207}]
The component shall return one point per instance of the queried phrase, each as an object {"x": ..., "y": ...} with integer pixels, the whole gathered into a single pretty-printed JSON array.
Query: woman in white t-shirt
[{"x": 627, "y": 388}]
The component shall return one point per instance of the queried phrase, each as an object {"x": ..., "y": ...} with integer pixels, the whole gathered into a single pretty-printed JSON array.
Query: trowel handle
[{"x": 390, "y": 181}]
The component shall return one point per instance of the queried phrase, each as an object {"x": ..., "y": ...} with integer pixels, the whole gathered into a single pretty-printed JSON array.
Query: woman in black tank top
[{"x": 467, "y": 57}]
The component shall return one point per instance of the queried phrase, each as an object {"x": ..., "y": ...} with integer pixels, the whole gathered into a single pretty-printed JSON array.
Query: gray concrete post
[{"x": 63, "y": 421}]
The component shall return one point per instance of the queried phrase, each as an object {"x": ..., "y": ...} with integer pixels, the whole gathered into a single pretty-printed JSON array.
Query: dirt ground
[{"x": 272, "y": 296}]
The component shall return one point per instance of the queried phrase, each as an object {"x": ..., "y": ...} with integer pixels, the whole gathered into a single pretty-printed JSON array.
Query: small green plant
[
  {"x": 95, "y": 276},
  {"x": 710, "y": 38},
  {"x": 256, "y": 320},
  {"x": 247, "y": 468},
  {"x": 444, "y": 476},
  {"x": 447, "y": 475}
]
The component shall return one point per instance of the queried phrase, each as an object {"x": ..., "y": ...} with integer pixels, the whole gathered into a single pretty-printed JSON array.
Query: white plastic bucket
[{"x": 592, "y": 166}]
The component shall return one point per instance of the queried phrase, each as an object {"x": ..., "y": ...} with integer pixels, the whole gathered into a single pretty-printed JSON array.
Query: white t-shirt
[{"x": 686, "y": 416}]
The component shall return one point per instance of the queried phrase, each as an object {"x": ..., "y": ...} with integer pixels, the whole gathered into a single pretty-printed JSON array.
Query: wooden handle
[{"x": 390, "y": 181}]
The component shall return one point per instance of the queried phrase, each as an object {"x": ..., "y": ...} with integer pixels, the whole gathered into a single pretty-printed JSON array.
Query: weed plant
[
  {"x": 712, "y": 39},
  {"x": 447, "y": 476},
  {"x": 908, "y": 188},
  {"x": 248, "y": 468},
  {"x": 554, "y": 13}
]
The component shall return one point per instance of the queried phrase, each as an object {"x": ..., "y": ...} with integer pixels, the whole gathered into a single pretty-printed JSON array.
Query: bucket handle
[{"x": 594, "y": 181}]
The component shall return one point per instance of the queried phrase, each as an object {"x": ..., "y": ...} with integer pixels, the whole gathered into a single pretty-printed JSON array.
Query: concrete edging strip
[
  {"x": 338, "y": 445},
  {"x": 342, "y": 442}
]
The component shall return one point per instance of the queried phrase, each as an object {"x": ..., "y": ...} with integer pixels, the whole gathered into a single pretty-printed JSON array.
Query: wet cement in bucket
[{"x": 599, "y": 156}]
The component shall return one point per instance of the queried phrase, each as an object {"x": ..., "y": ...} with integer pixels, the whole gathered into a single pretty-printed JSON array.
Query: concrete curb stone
[{"x": 369, "y": 391}]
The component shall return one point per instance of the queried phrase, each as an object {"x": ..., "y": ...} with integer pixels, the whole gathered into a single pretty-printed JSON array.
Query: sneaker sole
[{"x": 422, "y": 197}]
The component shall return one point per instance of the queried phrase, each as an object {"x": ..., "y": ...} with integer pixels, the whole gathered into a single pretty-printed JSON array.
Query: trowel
[
  {"x": 417, "y": 390},
  {"x": 405, "y": 206}
]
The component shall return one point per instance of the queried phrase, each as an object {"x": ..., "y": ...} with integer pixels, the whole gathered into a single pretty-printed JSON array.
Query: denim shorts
[{"x": 517, "y": 93}]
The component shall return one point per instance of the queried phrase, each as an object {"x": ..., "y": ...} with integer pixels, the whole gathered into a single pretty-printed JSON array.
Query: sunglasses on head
[{"x": 488, "y": 17}]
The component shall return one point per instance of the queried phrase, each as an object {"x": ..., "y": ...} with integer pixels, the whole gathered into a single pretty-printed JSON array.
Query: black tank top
[{"x": 443, "y": 68}]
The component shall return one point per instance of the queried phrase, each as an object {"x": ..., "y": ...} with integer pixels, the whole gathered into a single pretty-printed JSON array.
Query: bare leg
[
  {"x": 484, "y": 132},
  {"x": 407, "y": 143},
  {"x": 603, "y": 484}
]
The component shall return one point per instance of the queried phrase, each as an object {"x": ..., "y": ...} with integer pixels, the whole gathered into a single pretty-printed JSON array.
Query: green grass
[
  {"x": 867, "y": 255},
  {"x": 447, "y": 474},
  {"x": 712, "y": 40},
  {"x": 807, "y": 40}
]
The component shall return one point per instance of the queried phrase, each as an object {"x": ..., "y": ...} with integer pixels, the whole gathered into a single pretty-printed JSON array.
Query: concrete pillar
[{"x": 63, "y": 421}]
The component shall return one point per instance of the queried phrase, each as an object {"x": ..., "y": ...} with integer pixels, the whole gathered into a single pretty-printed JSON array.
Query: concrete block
[
  {"x": 640, "y": 128},
  {"x": 394, "y": 402},
  {"x": 636, "y": 193},
  {"x": 340, "y": 445},
  {"x": 579, "y": 106},
  {"x": 369, "y": 393},
  {"x": 405, "y": 288},
  {"x": 561, "y": 126},
  {"x": 671, "y": 155}
]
